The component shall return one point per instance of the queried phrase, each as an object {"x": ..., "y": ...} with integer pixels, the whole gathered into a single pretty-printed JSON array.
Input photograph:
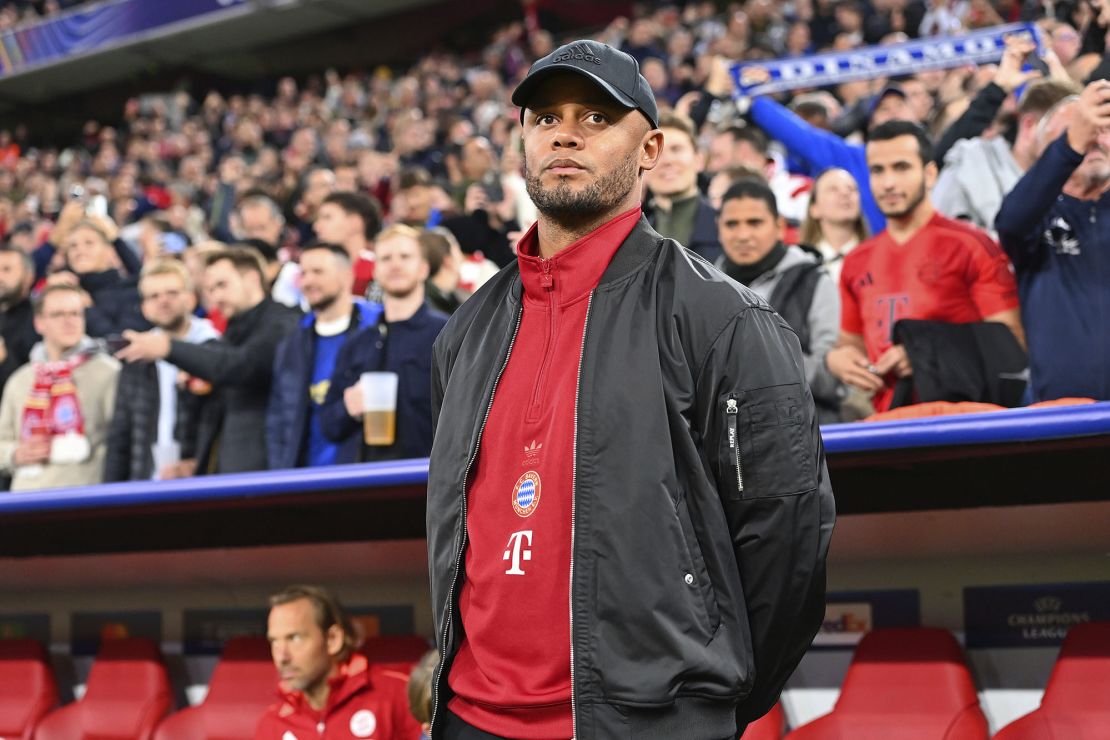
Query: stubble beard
[
  {"x": 564, "y": 205},
  {"x": 915, "y": 201}
]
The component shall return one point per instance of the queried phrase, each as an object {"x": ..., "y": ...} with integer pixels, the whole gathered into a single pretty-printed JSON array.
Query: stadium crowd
[{"x": 198, "y": 286}]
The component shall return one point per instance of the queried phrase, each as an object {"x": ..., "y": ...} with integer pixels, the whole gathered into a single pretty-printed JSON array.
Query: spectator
[
  {"x": 979, "y": 172},
  {"x": 747, "y": 146},
  {"x": 17, "y": 323},
  {"x": 71, "y": 214},
  {"x": 676, "y": 209},
  {"x": 351, "y": 220},
  {"x": 1053, "y": 227},
  {"x": 401, "y": 344},
  {"x": 55, "y": 410},
  {"x": 160, "y": 419},
  {"x": 326, "y": 689},
  {"x": 318, "y": 183},
  {"x": 114, "y": 303},
  {"x": 790, "y": 278},
  {"x": 922, "y": 266},
  {"x": 445, "y": 262},
  {"x": 420, "y": 691},
  {"x": 239, "y": 365},
  {"x": 305, "y": 361},
  {"x": 834, "y": 223}
]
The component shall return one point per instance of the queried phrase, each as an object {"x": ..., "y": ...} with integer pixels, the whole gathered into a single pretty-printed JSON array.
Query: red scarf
[{"x": 52, "y": 409}]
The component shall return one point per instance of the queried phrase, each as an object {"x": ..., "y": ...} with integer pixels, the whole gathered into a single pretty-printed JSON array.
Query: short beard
[
  {"x": 324, "y": 303},
  {"x": 565, "y": 206},
  {"x": 911, "y": 207},
  {"x": 175, "y": 326}
]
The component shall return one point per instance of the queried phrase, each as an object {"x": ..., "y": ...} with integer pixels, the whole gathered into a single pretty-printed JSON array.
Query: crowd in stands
[
  {"x": 199, "y": 286},
  {"x": 16, "y": 13}
]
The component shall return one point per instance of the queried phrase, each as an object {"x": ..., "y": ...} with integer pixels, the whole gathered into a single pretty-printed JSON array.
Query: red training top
[
  {"x": 511, "y": 676},
  {"x": 365, "y": 701},
  {"x": 948, "y": 271}
]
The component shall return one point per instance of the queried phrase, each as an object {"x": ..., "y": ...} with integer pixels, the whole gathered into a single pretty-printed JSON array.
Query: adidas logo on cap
[{"x": 578, "y": 52}]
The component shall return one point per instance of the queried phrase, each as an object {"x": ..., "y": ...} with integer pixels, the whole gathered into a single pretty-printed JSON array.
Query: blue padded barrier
[{"x": 998, "y": 427}]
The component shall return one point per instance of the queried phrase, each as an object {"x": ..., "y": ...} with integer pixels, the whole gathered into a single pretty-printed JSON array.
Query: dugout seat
[
  {"x": 912, "y": 684},
  {"x": 127, "y": 694},
  {"x": 27, "y": 687},
  {"x": 767, "y": 727},
  {"x": 1076, "y": 702},
  {"x": 243, "y": 685}
]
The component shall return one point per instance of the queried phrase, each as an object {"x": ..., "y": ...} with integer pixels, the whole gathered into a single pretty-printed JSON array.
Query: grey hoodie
[{"x": 977, "y": 175}]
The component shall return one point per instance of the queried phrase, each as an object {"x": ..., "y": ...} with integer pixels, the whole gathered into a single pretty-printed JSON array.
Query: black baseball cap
[
  {"x": 615, "y": 72},
  {"x": 892, "y": 89}
]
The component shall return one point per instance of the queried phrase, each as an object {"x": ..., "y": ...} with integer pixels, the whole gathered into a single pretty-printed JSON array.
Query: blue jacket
[
  {"x": 821, "y": 149},
  {"x": 1060, "y": 247},
  {"x": 287, "y": 414},
  {"x": 402, "y": 347}
]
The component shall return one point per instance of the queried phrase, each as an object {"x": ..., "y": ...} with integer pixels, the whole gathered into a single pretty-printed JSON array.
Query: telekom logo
[{"x": 518, "y": 551}]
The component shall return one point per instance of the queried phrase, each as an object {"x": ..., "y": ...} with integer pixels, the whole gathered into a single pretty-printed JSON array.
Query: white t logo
[{"x": 517, "y": 551}]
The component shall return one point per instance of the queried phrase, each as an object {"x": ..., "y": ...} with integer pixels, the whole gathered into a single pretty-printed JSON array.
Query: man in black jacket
[
  {"x": 17, "y": 320},
  {"x": 240, "y": 365},
  {"x": 663, "y": 546},
  {"x": 160, "y": 417}
]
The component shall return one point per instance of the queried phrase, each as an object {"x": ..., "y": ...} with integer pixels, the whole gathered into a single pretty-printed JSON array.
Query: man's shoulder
[{"x": 959, "y": 234}]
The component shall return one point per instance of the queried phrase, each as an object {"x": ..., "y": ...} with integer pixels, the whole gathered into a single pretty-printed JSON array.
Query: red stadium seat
[
  {"x": 243, "y": 685},
  {"x": 767, "y": 727},
  {"x": 1076, "y": 703},
  {"x": 394, "y": 648},
  {"x": 127, "y": 694},
  {"x": 910, "y": 684},
  {"x": 27, "y": 687}
]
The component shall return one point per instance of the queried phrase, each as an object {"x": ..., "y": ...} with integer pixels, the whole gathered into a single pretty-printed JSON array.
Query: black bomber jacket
[{"x": 702, "y": 509}]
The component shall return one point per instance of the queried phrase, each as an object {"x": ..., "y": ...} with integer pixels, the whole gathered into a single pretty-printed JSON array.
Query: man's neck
[
  {"x": 355, "y": 246},
  {"x": 666, "y": 202},
  {"x": 554, "y": 237},
  {"x": 55, "y": 352},
  {"x": 317, "y": 696},
  {"x": 838, "y": 234},
  {"x": 401, "y": 308},
  {"x": 1083, "y": 188},
  {"x": 339, "y": 308},
  {"x": 902, "y": 229}
]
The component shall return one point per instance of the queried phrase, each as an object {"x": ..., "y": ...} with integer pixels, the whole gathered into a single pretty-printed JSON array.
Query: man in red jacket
[{"x": 327, "y": 690}]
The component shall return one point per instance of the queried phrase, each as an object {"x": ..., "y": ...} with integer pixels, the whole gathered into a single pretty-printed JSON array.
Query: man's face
[
  {"x": 318, "y": 186},
  {"x": 677, "y": 172},
  {"x": 477, "y": 158},
  {"x": 259, "y": 222},
  {"x": 899, "y": 179},
  {"x": 399, "y": 266},
  {"x": 62, "y": 321},
  {"x": 335, "y": 226},
  {"x": 324, "y": 278},
  {"x": 13, "y": 277},
  {"x": 918, "y": 98},
  {"x": 835, "y": 197},
  {"x": 1095, "y": 167},
  {"x": 892, "y": 107},
  {"x": 229, "y": 291},
  {"x": 87, "y": 252},
  {"x": 583, "y": 151},
  {"x": 747, "y": 230},
  {"x": 720, "y": 153},
  {"x": 301, "y": 650},
  {"x": 166, "y": 302}
]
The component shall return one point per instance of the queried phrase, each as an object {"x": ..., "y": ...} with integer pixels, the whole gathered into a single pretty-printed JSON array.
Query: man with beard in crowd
[
  {"x": 240, "y": 365},
  {"x": 1054, "y": 226},
  {"x": 17, "y": 322},
  {"x": 922, "y": 266},
  {"x": 401, "y": 343},
  {"x": 305, "y": 361},
  {"x": 159, "y": 419}
]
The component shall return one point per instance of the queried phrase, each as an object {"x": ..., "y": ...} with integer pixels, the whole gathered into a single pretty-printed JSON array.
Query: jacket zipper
[
  {"x": 462, "y": 539},
  {"x": 731, "y": 410},
  {"x": 547, "y": 282},
  {"x": 573, "y": 496}
]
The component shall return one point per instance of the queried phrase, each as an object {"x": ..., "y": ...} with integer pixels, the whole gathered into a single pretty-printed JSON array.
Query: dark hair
[
  {"x": 335, "y": 249},
  {"x": 265, "y": 250},
  {"x": 670, "y": 119},
  {"x": 243, "y": 259},
  {"x": 753, "y": 189},
  {"x": 412, "y": 177},
  {"x": 327, "y": 609},
  {"x": 436, "y": 243},
  {"x": 895, "y": 129},
  {"x": 1041, "y": 96},
  {"x": 38, "y": 303},
  {"x": 361, "y": 205}
]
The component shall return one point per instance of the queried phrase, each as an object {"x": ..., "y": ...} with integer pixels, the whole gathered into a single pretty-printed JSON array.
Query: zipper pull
[
  {"x": 546, "y": 280},
  {"x": 732, "y": 411},
  {"x": 730, "y": 407}
]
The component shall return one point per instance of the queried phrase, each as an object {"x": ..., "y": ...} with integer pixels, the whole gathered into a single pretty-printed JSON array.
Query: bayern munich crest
[{"x": 526, "y": 494}]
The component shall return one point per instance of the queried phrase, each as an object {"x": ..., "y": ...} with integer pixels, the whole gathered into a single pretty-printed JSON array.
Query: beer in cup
[{"x": 379, "y": 408}]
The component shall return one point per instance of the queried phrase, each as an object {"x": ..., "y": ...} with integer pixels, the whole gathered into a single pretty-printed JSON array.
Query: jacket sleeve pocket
[{"x": 768, "y": 445}]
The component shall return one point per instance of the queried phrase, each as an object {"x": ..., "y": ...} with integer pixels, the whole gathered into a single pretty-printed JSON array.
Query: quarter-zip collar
[
  {"x": 351, "y": 676},
  {"x": 577, "y": 269}
]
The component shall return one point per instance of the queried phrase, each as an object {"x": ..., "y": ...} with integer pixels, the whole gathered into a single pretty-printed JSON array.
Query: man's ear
[
  {"x": 650, "y": 148},
  {"x": 335, "y": 640},
  {"x": 930, "y": 175}
]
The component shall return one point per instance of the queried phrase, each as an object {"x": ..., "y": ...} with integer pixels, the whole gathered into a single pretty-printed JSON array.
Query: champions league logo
[{"x": 526, "y": 494}]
